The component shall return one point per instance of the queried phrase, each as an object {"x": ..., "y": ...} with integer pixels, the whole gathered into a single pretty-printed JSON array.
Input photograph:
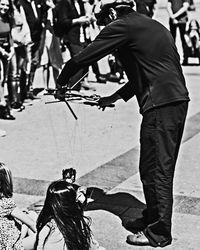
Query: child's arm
[
  {"x": 42, "y": 236},
  {"x": 24, "y": 218}
]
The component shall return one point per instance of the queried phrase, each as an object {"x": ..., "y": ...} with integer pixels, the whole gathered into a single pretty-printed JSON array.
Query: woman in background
[{"x": 6, "y": 54}]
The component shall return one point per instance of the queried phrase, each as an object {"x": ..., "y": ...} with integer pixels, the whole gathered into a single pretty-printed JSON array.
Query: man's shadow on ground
[{"x": 124, "y": 205}]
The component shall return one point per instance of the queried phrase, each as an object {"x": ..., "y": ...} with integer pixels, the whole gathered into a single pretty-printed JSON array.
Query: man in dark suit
[
  {"x": 155, "y": 77},
  {"x": 36, "y": 15},
  {"x": 71, "y": 18},
  {"x": 73, "y": 21}
]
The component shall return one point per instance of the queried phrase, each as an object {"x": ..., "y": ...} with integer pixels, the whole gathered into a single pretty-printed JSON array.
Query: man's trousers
[{"x": 160, "y": 139}]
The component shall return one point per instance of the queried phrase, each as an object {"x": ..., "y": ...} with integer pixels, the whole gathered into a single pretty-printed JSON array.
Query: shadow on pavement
[{"x": 121, "y": 204}]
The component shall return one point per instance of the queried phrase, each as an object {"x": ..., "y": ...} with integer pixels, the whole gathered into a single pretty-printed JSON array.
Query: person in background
[
  {"x": 51, "y": 56},
  {"x": 61, "y": 224},
  {"x": 192, "y": 39},
  {"x": 155, "y": 77},
  {"x": 72, "y": 21},
  {"x": 6, "y": 54},
  {"x": 11, "y": 217},
  {"x": 178, "y": 18},
  {"x": 90, "y": 29},
  {"x": 36, "y": 16},
  {"x": 21, "y": 61}
]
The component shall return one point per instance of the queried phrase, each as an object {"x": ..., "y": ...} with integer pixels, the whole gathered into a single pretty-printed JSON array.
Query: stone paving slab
[{"x": 108, "y": 230}]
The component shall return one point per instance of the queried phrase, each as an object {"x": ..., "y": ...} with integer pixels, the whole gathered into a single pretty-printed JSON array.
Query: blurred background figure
[
  {"x": 91, "y": 31},
  {"x": 192, "y": 38},
  {"x": 178, "y": 17},
  {"x": 36, "y": 16},
  {"x": 21, "y": 61},
  {"x": 51, "y": 56},
  {"x": 71, "y": 22},
  {"x": 6, "y": 54}
]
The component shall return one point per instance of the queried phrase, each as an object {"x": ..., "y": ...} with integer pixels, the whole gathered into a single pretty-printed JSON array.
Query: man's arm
[
  {"x": 126, "y": 92},
  {"x": 103, "y": 102},
  {"x": 110, "y": 38}
]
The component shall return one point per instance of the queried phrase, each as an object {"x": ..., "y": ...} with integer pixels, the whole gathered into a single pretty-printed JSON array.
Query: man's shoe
[
  {"x": 16, "y": 105},
  {"x": 135, "y": 226},
  {"x": 138, "y": 239},
  {"x": 5, "y": 113}
]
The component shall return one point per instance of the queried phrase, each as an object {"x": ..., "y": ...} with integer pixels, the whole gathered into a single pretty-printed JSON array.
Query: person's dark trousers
[
  {"x": 23, "y": 85},
  {"x": 182, "y": 29},
  {"x": 75, "y": 49},
  {"x": 160, "y": 138},
  {"x": 14, "y": 81}
]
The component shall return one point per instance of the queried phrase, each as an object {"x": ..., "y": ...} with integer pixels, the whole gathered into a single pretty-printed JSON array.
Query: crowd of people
[{"x": 36, "y": 33}]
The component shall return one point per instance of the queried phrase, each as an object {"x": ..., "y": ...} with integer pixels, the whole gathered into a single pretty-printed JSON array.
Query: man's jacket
[{"x": 149, "y": 57}]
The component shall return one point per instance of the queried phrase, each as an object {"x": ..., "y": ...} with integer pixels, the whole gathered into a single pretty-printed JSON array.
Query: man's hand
[{"x": 104, "y": 102}]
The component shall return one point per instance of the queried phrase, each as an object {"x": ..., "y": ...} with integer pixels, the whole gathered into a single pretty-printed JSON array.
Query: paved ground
[{"x": 103, "y": 147}]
